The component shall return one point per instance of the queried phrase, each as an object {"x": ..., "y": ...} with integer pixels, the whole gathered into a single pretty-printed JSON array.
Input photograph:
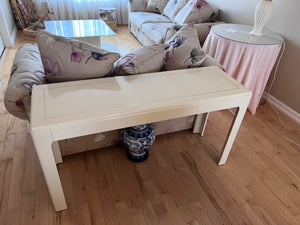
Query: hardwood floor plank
[
  {"x": 6, "y": 166},
  {"x": 262, "y": 195},
  {"x": 94, "y": 203},
  {"x": 28, "y": 187},
  {"x": 16, "y": 185}
]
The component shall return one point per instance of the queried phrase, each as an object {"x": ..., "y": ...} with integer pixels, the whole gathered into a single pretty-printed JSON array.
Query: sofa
[
  {"x": 32, "y": 66},
  {"x": 155, "y": 21}
]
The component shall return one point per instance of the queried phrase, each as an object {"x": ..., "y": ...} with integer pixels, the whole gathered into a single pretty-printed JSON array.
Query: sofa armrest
[{"x": 27, "y": 70}]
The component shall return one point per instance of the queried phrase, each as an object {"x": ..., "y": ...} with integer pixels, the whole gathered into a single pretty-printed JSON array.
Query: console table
[
  {"x": 71, "y": 109},
  {"x": 247, "y": 58}
]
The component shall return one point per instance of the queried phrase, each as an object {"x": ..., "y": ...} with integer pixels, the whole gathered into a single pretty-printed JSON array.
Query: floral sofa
[
  {"x": 59, "y": 59},
  {"x": 154, "y": 21}
]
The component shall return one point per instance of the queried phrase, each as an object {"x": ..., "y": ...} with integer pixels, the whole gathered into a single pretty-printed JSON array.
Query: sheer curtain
[{"x": 86, "y": 9}]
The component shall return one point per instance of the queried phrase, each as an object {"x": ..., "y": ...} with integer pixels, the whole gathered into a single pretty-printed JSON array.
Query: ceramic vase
[
  {"x": 137, "y": 140},
  {"x": 263, "y": 12}
]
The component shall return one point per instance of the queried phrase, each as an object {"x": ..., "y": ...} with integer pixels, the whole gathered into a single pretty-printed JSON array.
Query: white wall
[
  {"x": 8, "y": 29},
  {"x": 285, "y": 20}
]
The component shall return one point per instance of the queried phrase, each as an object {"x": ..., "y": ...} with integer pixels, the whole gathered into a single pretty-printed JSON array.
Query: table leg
[
  {"x": 56, "y": 152},
  {"x": 42, "y": 140},
  {"x": 200, "y": 123},
  {"x": 239, "y": 115}
]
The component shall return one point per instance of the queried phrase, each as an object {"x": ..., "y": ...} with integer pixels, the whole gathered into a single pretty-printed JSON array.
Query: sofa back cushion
[
  {"x": 156, "y": 6},
  {"x": 197, "y": 11},
  {"x": 173, "y": 7},
  {"x": 184, "y": 50},
  {"x": 66, "y": 59},
  {"x": 146, "y": 59},
  {"x": 137, "y": 5}
]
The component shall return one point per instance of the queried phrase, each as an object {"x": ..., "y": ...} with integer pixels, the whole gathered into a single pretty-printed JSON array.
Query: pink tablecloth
[{"x": 250, "y": 64}]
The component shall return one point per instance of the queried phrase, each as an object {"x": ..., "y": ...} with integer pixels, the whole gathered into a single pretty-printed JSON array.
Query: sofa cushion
[
  {"x": 184, "y": 49},
  {"x": 67, "y": 59},
  {"x": 137, "y": 5},
  {"x": 156, "y": 31},
  {"x": 173, "y": 7},
  {"x": 140, "y": 18},
  {"x": 197, "y": 11},
  {"x": 156, "y": 6},
  {"x": 146, "y": 59}
]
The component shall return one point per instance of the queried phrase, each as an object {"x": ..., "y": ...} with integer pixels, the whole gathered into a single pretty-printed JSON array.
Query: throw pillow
[
  {"x": 207, "y": 60},
  {"x": 66, "y": 59},
  {"x": 197, "y": 11},
  {"x": 171, "y": 31},
  {"x": 184, "y": 49},
  {"x": 146, "y": 59},
  {"x": 137, "y": 5},
  {"x": 17, "y": 14},
  {"x": 173, "y": 7},
  {"x": 156, "y": 6}
]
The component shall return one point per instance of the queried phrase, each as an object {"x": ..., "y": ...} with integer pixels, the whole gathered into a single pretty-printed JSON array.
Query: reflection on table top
[
  {"x": 124, "y": 95},
  {"x": 240, "y": 33},
  {"x": 78, "y": 28}
]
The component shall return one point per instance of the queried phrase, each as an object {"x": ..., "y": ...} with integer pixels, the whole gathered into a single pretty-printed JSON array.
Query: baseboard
[
  {"x": 282, "y": 107},
  {"x": 2, "y": 59},
  {"x": 13, "y": 37}
]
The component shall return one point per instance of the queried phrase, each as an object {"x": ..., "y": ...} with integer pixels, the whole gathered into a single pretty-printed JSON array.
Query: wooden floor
[{"x": 180, "y": 183}]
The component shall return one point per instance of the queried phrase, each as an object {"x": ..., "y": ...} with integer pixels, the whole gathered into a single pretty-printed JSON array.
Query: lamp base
[
  {"x": 263, "y": 12},
  {"x": 258, "y": 34}
]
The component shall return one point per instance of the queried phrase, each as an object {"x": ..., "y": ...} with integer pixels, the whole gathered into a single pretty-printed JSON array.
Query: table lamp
[{"x": 263, "y": 12}]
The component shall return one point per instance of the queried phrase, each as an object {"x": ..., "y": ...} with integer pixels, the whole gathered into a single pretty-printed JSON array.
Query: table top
[
  {"x": 124, "y": 96},
  {"x": 79, "y": 28},
  {"x": 240, "y": 33}
]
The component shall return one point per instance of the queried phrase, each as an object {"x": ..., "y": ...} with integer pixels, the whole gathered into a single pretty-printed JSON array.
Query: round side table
[{"x": 247, "y": 58}]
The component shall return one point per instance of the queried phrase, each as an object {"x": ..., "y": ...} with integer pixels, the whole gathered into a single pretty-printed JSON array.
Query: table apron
[{"x": 71, "y": 130}]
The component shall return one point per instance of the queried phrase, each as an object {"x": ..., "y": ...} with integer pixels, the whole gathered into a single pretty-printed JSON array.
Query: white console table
[{"x": 71, "y": 109}]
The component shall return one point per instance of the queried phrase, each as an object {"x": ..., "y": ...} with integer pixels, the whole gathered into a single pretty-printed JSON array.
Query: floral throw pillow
[
  {"x": 207, "y": 60},
  {"x": 146, "y": 59},
  {"x": 137, "y": 5},
  {"x": 197, "y": 11},
  {"x": 173, "y": 7},
  {"x": 156, "y": 6},
  {"x": 184, "y": 50},
  {"x": 66, "y": 59}
]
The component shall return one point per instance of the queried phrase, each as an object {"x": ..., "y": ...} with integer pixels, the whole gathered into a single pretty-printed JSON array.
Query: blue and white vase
[{"x": 137, "y": 140}]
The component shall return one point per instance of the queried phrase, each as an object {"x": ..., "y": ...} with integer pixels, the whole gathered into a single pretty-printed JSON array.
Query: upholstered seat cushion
[
  {"x": 140, "y": 18},
  {"x": 156, "y": 32}
]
